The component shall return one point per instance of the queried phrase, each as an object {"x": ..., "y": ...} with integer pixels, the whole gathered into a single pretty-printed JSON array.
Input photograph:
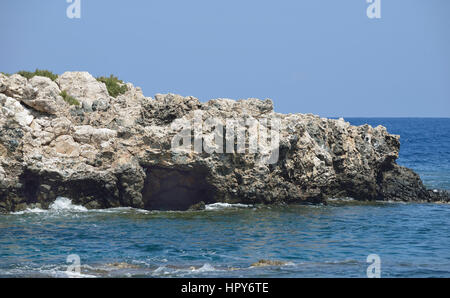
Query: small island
[{"x": 103, "y": 144}]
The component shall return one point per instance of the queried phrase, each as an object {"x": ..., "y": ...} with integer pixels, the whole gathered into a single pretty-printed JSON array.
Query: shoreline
[
  {"x": 215, "y": 207},
  {"x": 70, "y": 136}
]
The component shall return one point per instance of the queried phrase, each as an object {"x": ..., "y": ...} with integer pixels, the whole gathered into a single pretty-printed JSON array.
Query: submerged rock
[
  {"x": 265, "y": 263},
  {"x": 196, "y": 207},
  {"x": 162, "y": 153}
]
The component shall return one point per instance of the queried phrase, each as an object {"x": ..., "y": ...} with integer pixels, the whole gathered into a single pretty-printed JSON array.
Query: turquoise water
[{"x": 412, "y": 240}]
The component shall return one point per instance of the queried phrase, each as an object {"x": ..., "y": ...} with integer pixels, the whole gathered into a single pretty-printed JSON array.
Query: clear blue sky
[{"x": 323, "y": 57}]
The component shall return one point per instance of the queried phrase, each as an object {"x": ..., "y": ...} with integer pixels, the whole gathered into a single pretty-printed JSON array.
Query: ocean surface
[{"x": 411, "y": 240}]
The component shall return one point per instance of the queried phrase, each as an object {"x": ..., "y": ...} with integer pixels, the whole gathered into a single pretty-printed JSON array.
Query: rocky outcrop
[
  {"x": 112, "y": 152},
  {"x": 84, "y": 87}
]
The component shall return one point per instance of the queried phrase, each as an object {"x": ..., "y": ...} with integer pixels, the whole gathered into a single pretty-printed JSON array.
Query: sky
[{"x": 323, "y": 57}]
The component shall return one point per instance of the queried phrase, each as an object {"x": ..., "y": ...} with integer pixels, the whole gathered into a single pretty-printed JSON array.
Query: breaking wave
[
  {"x": 222, "y": 206},
  {"x": 65, "y": 204},
  {"x": 60, "y": 204}
]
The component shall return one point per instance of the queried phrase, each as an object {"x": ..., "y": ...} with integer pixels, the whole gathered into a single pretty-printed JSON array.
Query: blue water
[{"x": 412, "y": 240}]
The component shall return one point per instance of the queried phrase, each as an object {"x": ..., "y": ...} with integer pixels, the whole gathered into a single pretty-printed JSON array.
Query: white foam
[
  {"x": 65, "y": 204},
  {"x": 45, "y": 271},
  {"x": 60, "y": 204},
  {"x": 221, "y": 206},
  {"x": 163, "y": 270},
  {"x": 205, "y": 268},
  {"x": 341, "y": 199},
  {"x": 121, "y": 210},
  {"x": 70, "y": 274},
  {"x": 28, "y": 211},
  {"x": 66, "y": 274}
]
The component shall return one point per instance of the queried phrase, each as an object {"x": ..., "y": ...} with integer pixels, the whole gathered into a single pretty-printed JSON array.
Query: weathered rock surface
[
  {"x": 84, "y": 87},
  {"x": 118, "y": 152}
]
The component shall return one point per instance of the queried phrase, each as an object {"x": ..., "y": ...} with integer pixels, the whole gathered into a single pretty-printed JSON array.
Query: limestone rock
[
  {"x": 17, "y": 87},
  {"x": 46, "y": 88},
  {"x": 128, "y": 106},
  {"x": 2, "y": 173},
  {"x": 11, "y": 108},
  {"x": 67, "y": 146},
  {"x": 83, "y": 86},
  {"x": 120, "y": 151},
  {"x": 61, "y": 126},
  {"x": 4, "y": 81},
  {"x": 88, "y": 151},
  {"x": 42, "y": 105},
  {"x": 168, "y": 107},
  {"x": 47, "y": 99},
  {"x": 87, "y": 134}
]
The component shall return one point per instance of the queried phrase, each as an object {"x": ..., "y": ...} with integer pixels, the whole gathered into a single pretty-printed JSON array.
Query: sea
[{"x": 345, "y": 238}]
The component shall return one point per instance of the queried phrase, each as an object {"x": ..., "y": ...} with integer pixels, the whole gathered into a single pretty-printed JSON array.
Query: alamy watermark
[
  {"x": 74, "y": 268},
  {"x": 73, "y": 11},
  {"x": 374, "y": 269},
  {"x": 374, "y": 9},
  {"x": 246, "y": 135}
]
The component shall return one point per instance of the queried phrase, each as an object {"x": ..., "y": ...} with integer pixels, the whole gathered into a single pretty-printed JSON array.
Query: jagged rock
[
  {"x": 100, "y": 105},
  {"x": 168, "y": 107},
  {"x": 39, "y": 93},
  {"x": 87, "y": 134},
  {"x": 4, "y": 80},
  {"x": 402, "y": 184},
  {"x": 42, "y": 105},
  {"x": 47, "y": 99},
  {"x": 42, "y": 137},
  {"x": 67, "y": 146},
  {"x": 84, "y": 87},
  {"x": 2, "y": 174},
  {"x": 11, "y": 108},
  {"x": 61, "y": 126},
  {"x": 46, "y": 88},
  {"x": 17, "y": 87},
  {"x": 88, "y": 151},
  {"x": 198, "y": 206},
  {"x": 440, "y": 196},
  {"x": 128, "y": 106},
  {"x": 120, "y": 151}
]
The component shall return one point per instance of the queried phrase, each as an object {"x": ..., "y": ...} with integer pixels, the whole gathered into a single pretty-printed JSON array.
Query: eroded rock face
[
  {"x": 11, "y": 108},
  {"x": 119, "y": 151},
  {"x": 47, "y": 99},
  {"x": 84, "y": 87},
  {"x": 17, "y": 87}
]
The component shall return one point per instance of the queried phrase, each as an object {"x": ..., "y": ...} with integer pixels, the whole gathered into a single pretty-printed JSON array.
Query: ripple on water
[{"x": 323, "y": 241}]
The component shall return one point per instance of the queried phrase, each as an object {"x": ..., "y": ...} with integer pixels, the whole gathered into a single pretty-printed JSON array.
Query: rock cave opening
[
  {"x": 176, "y": 189},
  {"x": 30, "y": 182}
]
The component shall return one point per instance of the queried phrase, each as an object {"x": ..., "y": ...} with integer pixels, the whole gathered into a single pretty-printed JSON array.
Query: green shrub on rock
[
  {"x": 114, "y": 85},
  {"x": 38, "y": 72},
  {"x": 69, "y": 99}
]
